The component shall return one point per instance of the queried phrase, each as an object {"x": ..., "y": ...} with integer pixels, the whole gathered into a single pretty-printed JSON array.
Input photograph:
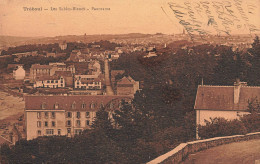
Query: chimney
[{"x": 237, "y": 86}]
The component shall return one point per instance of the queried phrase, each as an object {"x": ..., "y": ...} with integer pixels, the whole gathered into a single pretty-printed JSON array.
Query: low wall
[{"x": 181, "y": 152}]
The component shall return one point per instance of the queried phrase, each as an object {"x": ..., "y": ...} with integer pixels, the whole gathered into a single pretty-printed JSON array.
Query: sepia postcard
[{"x": 130, "y": 81}]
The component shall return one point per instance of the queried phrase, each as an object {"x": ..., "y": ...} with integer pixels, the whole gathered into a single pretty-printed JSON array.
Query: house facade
[
  {"x": 49, "y": 82},
  {"x": 127, "y": 86},
  {"x": 229, "y": 102},
  {"x": 91, "y": 82},
  {"x": 38, "y": 70},
  {"x": 19, "y": 73},
  {"x": 66, "y": 115}
]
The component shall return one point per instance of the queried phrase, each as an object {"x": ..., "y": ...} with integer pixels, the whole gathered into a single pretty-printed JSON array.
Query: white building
[
  {"x": 64, "y": 115},
  {"x": 49, "y": 82},
  {"x": 229, "y": 102},
  {"x": 19, "y": 73},
  {"x": 88, "y": 82}
]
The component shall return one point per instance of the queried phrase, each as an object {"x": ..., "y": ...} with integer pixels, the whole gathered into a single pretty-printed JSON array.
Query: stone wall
[{"x": 181, "y": 152}]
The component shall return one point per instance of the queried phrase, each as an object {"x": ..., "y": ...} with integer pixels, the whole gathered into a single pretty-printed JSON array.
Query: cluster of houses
[{"x": 70, "y": 114}]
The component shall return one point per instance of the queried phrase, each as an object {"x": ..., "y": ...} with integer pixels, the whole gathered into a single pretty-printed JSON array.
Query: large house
[
  {"x": 37, "y": 70},
  {"x": 91, "y": 82},
  {"x": 127, "y": 86},
  {"x": 229, "y": 102},
  {"x": 65, "y": 114},
  {"x": 49, "y": 82}
]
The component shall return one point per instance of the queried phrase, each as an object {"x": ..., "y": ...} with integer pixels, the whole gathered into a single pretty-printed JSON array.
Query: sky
[{"x": 129, "y": 16}]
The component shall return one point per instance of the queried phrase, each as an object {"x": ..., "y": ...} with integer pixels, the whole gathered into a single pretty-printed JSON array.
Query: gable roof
[
  {"x": 222, "y": 97},
  {"x": 126, "y": 80},
  {"x": 34, "y": 102},
  {"x": 38, "y": 66},
  {"x": 63, "y": 73},
  {"x": 47, "y": 77},
  {"x": 4, "y": 141}
]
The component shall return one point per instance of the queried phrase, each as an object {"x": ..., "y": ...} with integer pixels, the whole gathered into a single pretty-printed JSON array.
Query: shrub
[
  {"x": 251, "y": 122},
  {"x": 218, "y": 127}
]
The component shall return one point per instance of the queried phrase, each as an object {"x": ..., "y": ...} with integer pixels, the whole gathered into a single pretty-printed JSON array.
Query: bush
[
  {"x": 251, "y": 122},
  {"x": 218, "y": 127}
]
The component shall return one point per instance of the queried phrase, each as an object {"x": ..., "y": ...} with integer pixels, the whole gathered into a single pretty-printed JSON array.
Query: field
[{"x": 10, "y": 105}]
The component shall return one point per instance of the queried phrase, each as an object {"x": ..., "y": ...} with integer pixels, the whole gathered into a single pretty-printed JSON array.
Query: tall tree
[
  {"x": 254, "y": 61},
  {"x": 102, "y": 121}
]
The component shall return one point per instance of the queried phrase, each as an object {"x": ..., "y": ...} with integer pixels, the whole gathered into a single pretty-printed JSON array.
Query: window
[
  {"x": 73, "y": 106},
  {"x": 56, "y": 81},
  {"x": 61, "y": 85},
  {"x": 69, "y": 115},
  {"x": 38, "y": 115},
  {"x": 49, "y": 131},
  {"x": 48, "y": 81},
  {"x": 46, "y": 114},
  {"x": 43, "y": 105},
  {"x": 87, "y": 114},
  {"x": 39, "y": 123},
  {"x": 39, "y": 133},
  {"x": 59, "y": 131},
  {"x": 83, "y": 105},
  {"x": 78, "y": 131},
  {"x": 93, "y": 114},
  {"x": 69, "y": 130},
  {"x": 53, "y": 124},
  {"x": 46, "y": 123},
  {"x": 78, "y": 123},
  {"x": 56, "y": 106},
  {"x": 87, "y": 122},
  {"x": 53, "y": 114},
  {"x": 78, "y": 114},
  {"x": 52, "y": 81},
  {"x": 92, "y": 105},
  {"x": 68, "y": 123}
]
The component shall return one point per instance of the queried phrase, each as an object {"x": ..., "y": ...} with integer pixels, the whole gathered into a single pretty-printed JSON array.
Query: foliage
[
  {"x": 102, "y": 121},
  {"x": 218, "y": 127},
  {"x": 251, "y": 122}
]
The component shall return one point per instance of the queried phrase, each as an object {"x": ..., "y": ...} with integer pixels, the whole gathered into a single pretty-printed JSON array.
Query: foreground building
[
  {"x": 229, "y": 102},
  {"x": 65, "y": 114}
]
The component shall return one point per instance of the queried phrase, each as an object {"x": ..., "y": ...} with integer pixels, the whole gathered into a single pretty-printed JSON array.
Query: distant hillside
[{"x": 8, "y": 41}]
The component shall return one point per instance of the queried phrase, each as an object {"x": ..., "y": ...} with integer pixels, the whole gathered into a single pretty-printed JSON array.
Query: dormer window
[
  {"x": 56, "y": 106},
  {"x": 73, "y": 106},
  {"x": 44, "y": 105},
  {"x": 83, "y": 106},
  {"x": 92, "y": 105}
]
